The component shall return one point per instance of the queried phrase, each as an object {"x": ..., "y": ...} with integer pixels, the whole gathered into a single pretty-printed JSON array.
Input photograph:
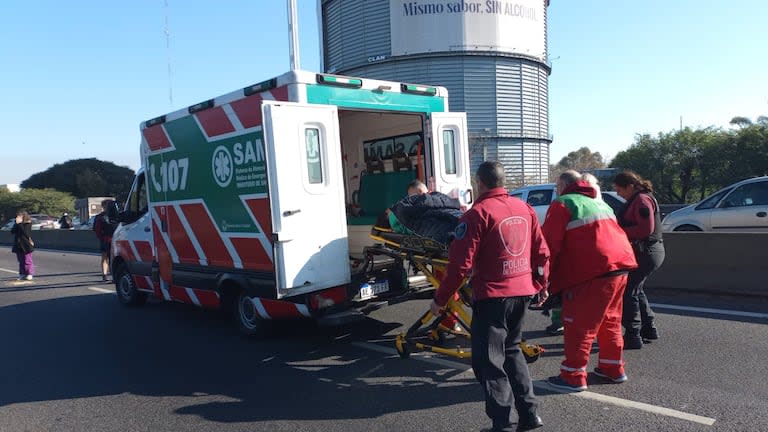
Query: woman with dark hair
[
  {"x": 641, "y": 221},
  {"x": 23, "y": 245}
]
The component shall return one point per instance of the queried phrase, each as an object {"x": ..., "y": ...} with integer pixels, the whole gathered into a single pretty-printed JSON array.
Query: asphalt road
[{"x": 73, "y": 359}]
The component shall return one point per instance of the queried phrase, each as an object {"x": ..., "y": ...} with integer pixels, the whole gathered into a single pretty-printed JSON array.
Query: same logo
[{"x": 222, "y": 166}]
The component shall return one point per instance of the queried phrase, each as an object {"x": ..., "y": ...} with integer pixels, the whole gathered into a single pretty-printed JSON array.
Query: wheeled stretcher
[{"x": 428, "y": 333}]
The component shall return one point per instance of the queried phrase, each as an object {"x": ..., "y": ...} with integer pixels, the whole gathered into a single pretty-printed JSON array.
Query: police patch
[{"x": 460, "y": 231}]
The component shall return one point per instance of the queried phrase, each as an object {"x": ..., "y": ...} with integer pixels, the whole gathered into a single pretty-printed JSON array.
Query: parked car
[
  {"x": 41, "y": 221},
  {"x": 742, "y": 206},
  {"x": 540, "y": 196}
]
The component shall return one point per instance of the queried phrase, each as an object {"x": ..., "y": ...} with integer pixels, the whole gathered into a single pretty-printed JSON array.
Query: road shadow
[{"x": 90, "y": 346}]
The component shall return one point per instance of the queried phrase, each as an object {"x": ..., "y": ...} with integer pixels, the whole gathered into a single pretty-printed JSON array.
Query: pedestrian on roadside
[
  {"x": 591, "y": 258},
  {"x": 641, "y": 220},
  {"x": 23, "y": 246},
  {"x": 104, "y": 225},
  {"x": 65, "y": 222},
  {"x": 499, "y": 242}
]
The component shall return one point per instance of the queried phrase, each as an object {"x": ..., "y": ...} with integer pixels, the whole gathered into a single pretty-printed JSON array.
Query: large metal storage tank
[{"x": 491, "y": 55}]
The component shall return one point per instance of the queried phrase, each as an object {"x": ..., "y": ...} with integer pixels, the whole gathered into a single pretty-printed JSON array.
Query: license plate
[{"x": 368, "y": 291}]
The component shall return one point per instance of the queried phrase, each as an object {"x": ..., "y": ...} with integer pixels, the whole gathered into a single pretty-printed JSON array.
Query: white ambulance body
[{"x": 258, "y": 199}]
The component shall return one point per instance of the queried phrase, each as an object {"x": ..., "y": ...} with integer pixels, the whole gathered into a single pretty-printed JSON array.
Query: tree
[
  {"x": 45, "y": 201},
  {"x": 580, "y": 160},
  {"x": 741, "y": 121},
  {"x": 83, "y": 178}
]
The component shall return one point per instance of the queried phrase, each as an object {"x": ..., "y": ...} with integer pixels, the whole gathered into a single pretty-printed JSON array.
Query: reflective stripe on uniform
[
  {"x": 612, "y": 362},
  {"x": 570, "y": 369},
  {"x": 588, "y": 220}
]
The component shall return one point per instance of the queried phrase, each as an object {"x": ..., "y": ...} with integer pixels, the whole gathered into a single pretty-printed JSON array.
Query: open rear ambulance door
[
  {"x": 450, "y": 155},
  {"x": 306, "y": 194}
]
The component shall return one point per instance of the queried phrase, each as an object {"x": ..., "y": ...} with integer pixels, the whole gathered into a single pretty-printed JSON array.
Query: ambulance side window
[
  {"x": 449, "y": 151},
  {"x": 143, "y": 203},
  {"x": 314, "y": 155}
]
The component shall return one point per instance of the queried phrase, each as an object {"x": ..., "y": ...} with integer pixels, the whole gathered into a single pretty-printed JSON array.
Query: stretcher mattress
[{"x": 411, "y": 243}]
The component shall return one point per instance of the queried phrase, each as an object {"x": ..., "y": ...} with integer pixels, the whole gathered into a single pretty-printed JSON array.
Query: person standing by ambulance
[
  {"x": 499, "y": 242},
  {"x": 104, "y": 224},
  {"x": 641, "y": 220},
  {"x": 591, "y": 258}
]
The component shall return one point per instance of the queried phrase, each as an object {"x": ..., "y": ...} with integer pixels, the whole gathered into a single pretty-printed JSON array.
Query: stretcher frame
[{"x": 430, "y": 258}]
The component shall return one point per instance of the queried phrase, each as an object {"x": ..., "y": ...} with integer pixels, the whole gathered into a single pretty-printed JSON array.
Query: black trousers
[
  {"x": 637, "y": 312},
  {"x": 498, "y": 363}
]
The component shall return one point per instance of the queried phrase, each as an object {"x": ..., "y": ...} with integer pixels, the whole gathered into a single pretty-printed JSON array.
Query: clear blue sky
[{"x": 77, "y": 78}]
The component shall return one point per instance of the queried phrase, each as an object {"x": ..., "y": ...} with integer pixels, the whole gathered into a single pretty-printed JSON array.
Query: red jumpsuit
[{"x": 590, "y": 259}]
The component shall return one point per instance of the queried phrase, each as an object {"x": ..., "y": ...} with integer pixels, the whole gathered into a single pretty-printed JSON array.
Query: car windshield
[
  {"x": 540, "y": 197},
  {"x": 712, "y": 201}
]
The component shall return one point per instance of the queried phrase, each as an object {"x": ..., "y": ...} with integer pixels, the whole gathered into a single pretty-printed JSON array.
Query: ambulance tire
[
  {"x": 127, "y": 293},
  {"x": 248, "y": 322}
]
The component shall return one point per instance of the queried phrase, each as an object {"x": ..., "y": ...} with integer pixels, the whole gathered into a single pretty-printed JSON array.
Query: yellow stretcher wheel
[
  {"x": 401, "y": 345},
  {"x": 532, "y": 352}
]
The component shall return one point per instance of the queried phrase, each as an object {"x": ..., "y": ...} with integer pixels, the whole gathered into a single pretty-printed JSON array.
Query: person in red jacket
[
  {"x": 591, "y": 258},
  {"x": 104, "y": 225},
  {"x": 499, "y": 242},
  {"x": 641, "y": 220}
]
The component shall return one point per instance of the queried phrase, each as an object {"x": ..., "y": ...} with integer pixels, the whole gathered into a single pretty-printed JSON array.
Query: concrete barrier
[
  {"x": 722, "y": 263},
  {"x": 73, "y": 240}
]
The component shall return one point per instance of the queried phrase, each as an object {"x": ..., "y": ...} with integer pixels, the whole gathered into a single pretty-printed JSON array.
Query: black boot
[
  {"x": 632, "y": 341},
  {"x": 649, "y": 332}
]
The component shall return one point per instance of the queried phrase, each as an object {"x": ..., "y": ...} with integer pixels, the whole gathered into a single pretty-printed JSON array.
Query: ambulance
[{"x": 261, "y": 201}]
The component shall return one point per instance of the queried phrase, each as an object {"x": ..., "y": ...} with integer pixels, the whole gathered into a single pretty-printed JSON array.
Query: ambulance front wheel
[
  {"x": 127, "y": 293},
  {"x": 248, "y": 321}
]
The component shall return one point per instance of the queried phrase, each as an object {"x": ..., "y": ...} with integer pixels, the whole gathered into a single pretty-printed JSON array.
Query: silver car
[
  {"x": 742, "y": 206},
  {"x": 540, "y": 196}
]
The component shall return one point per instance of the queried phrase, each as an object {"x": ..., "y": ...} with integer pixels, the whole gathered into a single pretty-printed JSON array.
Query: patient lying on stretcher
[{"x": 428, "y": 214}]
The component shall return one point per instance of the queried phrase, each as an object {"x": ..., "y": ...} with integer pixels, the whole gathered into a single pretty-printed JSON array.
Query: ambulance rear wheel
[
  {"x": 248, "y": 321},
  {"x": 127, "y": 293}
]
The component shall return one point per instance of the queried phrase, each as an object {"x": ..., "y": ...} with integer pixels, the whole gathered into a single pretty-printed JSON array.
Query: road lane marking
[
  {"x": 710, "y": 310},
  {"x": 102, "y": 290},
  {"x": 9, "y": 271},
  {"x": 543, "y": 385}
]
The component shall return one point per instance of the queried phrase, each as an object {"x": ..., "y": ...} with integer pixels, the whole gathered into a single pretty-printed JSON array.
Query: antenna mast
[
  {"x": 168, "y": 53},
  {"x": 293, "y": 35}
]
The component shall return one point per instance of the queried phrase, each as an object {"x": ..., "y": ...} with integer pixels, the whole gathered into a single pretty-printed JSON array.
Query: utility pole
[{"x": 293, "y": 35}]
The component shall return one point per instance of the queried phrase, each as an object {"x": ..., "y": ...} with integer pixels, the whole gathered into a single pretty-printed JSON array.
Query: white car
[
  {"x": 540, "y": 196},
  {"x": 740, "y": 207}
]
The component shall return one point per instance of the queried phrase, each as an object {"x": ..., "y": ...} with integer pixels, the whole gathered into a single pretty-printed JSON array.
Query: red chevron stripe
[
  {"x": 280, "y": 309},
  {"x": 180, "y": 239},
  {"x": 248, "y": 109},
  {"x": 156, "y": 137},
  {"x": 280, "y": 93},
  {"x": 141, "y": 283},
  {"x": 126, "y": 251},
  {"x": 215, "y": 121},
  {"x": 252, "y": 254},
  {"x": 260, "y": 208},
  {"x": 207, "y": 235},
  {"x": 145, "y": 251},
  {"x": 208, "y": 299},
  {"x": 179, "y": 294}
]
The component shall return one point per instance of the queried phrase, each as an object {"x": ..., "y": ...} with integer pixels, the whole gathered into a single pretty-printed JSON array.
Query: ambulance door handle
[
  {"x": 290, "y": 212},
  {"x": 147, "y": 229}
]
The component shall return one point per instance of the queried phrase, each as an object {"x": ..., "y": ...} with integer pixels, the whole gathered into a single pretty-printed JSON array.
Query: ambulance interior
[{"x": 381, "y": 153}]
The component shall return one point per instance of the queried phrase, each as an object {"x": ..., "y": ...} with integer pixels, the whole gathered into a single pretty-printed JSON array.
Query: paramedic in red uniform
[
  {"x": 499, "y": 242},
  {"x": 591, "y": 258}
]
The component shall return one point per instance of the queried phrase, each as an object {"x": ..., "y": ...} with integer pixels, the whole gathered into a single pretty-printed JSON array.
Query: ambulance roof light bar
[
  {"x": 260, "y": 87},
  {"x": 201, "y": 106},
  {"x": 417, "y": 89},
  {"x": 339, "y": 81}
]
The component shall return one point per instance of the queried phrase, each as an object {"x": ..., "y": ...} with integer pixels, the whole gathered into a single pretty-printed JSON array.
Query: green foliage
[
  {"x": 687, "y": 165},
  {"x": 580, "y": 160},
  {"x": 84, "y": 178},
  {"x": 45, "y": 201}
]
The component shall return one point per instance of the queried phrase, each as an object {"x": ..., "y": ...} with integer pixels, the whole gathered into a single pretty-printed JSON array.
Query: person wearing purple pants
[{"x": 23, "y": 245}]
